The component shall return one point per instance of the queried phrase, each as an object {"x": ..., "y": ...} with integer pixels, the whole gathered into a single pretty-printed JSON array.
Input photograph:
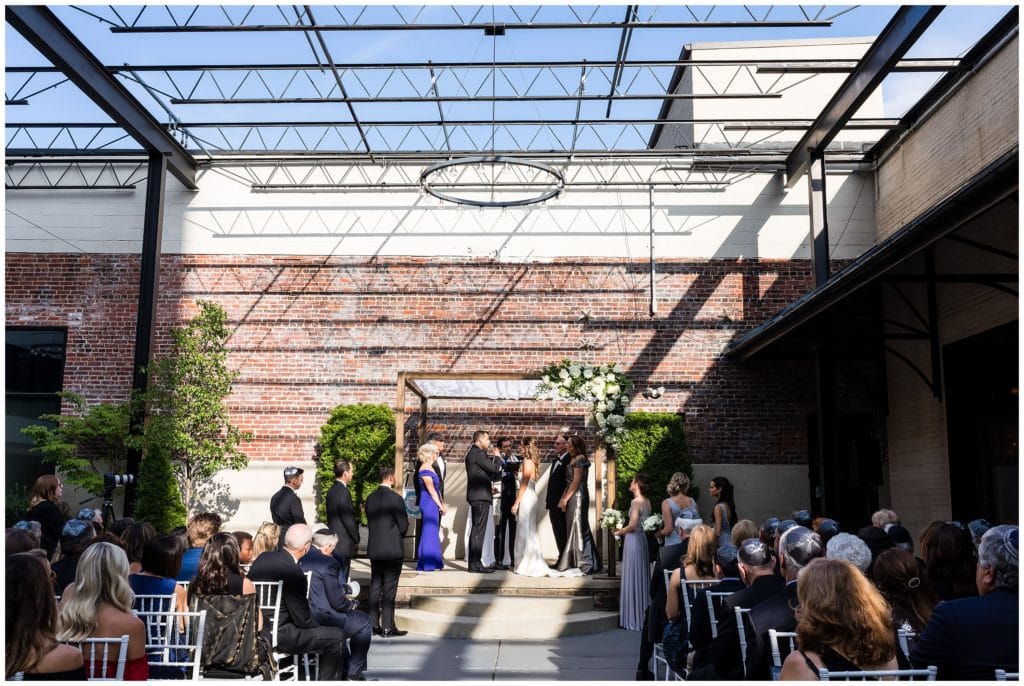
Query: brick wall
[{"x": 310, "y": 333}]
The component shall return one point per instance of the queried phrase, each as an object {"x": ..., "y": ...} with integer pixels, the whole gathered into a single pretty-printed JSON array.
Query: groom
[
  {"x": 481, "y": 470},
  {"x": 556, "y": 488}
]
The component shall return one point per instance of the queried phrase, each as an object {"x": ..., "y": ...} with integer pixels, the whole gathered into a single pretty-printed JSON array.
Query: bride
[{"x": 529, "y": 561}]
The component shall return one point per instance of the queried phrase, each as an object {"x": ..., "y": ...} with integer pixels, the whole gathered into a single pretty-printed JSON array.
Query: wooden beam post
[
  {"x": 598, "y": 499},
  {"x": 613, "y": 547},
  {"x": 400, "y": 435}
]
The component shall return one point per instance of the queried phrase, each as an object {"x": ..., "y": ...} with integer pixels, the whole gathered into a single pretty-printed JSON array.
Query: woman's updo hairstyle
[{"x": 679, "y": 483}]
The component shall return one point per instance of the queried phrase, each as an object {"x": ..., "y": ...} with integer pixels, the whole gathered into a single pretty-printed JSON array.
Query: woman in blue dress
[{"x": 428, "y": 555}]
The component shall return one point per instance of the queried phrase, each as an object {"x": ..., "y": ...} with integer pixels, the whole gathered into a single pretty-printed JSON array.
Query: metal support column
[
  {"x": 653, "y": 265},
  {"x": 818, "y": 211},
  {"x": 149, "y": 290}
]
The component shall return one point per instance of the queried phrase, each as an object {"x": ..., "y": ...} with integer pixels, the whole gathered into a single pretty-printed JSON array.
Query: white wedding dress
[{"x": 529, "y": 561}]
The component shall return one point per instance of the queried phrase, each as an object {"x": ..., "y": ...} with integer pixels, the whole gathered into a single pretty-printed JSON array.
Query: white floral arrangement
[
  {"x": 611, "y": 519},
  {"x": 604, "y": 386},
  {"x": 653, "y": 523}
]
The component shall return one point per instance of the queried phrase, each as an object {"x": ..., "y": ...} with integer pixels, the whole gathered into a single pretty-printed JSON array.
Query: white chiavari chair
[{"x": 827, "y": 675}]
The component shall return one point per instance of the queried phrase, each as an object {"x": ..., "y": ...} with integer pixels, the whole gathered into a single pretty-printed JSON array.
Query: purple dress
[{"x": 428, "y": 555}]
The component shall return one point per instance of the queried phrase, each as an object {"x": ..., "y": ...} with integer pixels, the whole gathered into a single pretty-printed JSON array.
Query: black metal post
[
  {"x": 149, "y": 287},
  {"x": 818, "y": 212},
  {"x": 825, "y": 387}
]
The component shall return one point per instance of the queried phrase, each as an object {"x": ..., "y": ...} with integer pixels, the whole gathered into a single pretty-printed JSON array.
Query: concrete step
[
  {"x": 502, "y": 607},
  {"x": 481, "y": 616}
]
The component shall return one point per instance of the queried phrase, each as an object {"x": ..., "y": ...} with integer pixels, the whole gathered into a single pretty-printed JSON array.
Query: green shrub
[
  {"x": 15, "y": 504},
  {"x": 363, "y": 435},
  {"x": 158, "y": 500},
  {"x": 655, "y": 443}
]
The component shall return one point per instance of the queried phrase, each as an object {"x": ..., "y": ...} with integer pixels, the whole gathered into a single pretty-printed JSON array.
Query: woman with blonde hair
[
  {"x": 432, "y": 508},
  {"x": 700, "y": 554},
  {"x": 99, "y": 605},
  {"x": 265, "y": 539},
  {"x": 843, "y": 623},
  {"x": 42, "y": 508},
  {"x": 673, "y": 507}
]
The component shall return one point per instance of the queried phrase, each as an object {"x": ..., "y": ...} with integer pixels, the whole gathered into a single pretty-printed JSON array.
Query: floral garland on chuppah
[{"x": 604, "y": 386}]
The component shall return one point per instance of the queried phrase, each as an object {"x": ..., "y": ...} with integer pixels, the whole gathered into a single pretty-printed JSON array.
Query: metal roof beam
[
  {"x": 40, "y": 27},
  {"x": 892, "y": 43}
]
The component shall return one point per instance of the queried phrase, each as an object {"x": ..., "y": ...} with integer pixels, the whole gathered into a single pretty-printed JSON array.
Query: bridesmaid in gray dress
[
  {"x": 634, "y": 594},
  {"x": 580, "y": 551}
]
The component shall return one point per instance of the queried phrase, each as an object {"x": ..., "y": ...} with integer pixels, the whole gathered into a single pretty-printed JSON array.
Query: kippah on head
[
  {"x": 770, "y": 525},
  {"x": 785, "y": 525},
  {"x": 292, "y": 472},
  {"x": 753, "y": 552},
  {"x": 829, "y": 527},
  {"x": 1011, "y": 541},
  {"x": 74, "y": 528},
  {"x": 801, "y": 545},
  {"x": 899, "y": 534},
  {"x": 725, "y": 555}
]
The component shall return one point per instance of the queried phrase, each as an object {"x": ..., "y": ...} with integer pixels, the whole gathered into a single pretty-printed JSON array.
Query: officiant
[{"x": 509, "y": 463}]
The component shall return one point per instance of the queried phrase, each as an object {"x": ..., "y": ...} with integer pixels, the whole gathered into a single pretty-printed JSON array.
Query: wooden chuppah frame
[{"x": 407, "y": 380}]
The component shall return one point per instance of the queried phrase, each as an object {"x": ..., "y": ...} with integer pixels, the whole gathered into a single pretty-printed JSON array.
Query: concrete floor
[{"x": 608, "y": 656}]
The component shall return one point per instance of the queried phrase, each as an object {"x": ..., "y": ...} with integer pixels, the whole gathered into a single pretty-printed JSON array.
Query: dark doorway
[
  {"x": 847, "y": 488},
  {"x": 981, "y": 393}
]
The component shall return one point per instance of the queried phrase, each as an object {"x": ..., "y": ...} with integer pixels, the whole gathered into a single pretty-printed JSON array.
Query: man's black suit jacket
[
  {"x": 968, "y": 639},
  {"x": 285, "y": 510},
  {"x": 387, "y": 523},
  {"x": 279, "y": 565},
  {"x": 776, "y": 612},
  {"x": 341, "y": 520},
  {"x": 326, "y": 599},
  {"x": 481, "y": 470},
  {"x": 556, "y": 481}
]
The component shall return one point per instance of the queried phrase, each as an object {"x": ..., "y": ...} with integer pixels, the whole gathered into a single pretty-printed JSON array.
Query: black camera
[{"x": 112, "y": 481}]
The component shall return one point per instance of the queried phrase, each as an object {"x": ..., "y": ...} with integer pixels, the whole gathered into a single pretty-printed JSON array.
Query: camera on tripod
[{"x": 112, "y": 481}]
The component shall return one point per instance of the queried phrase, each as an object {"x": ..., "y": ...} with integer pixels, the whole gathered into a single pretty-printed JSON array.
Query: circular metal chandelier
[{"x": 548, "y": 186}]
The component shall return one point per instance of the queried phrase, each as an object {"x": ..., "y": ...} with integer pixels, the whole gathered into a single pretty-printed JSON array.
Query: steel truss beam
[
  {"x": 893, "y": 42},
  {"x": 40, "y": 27},
  {"x": 74, "y": 175}
]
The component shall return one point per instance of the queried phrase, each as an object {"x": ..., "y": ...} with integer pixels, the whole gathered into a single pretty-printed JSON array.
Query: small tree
[
  {"x": 158, "y": 500},
  {"x": 363, "y": 435},
  {"x": 188, "y": 421},
  {"x": 85, "y": 444},
  {"x": 655, "y": 443}
]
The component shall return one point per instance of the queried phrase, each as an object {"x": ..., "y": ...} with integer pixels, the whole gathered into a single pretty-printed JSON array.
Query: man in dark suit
[
  {"x": 328, "y": 601},
  {"x": 509, "y": 464},
  {"x": 481, "y": 470},
  {"x": 797, "y": 547},
  {"x": 285, "y": 506},
  {"x": 439, "y": 468},
  {"x": 727, "y": 572},
  {"x": 341, "y": 518},
  {"x": 297, "y": 631},
  {"x": 556, "y": 488},
  {"x": 385, "y": 514},
  {"x": 968, "y": 639}
]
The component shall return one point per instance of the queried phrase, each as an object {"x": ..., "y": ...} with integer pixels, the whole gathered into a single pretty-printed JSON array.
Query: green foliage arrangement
[
  {"x": 15, "y": 504},
  {"x": 604, "y": 386},
  {"x": 188, "y": 422},
  {"x": 85, "y": 444},
  {"x": 158, "y": 500},
  {"x": 654, "y": 443},
  {"x": 363, "y": 435}
]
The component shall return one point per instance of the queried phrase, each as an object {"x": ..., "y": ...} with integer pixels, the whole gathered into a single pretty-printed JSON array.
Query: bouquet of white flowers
[
  {"x": 653, "y": 523},
  {"x": 611, "y": 519}
]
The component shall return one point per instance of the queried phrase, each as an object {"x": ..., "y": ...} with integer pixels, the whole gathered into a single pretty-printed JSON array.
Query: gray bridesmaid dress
[{"x": 634, "y": 593}]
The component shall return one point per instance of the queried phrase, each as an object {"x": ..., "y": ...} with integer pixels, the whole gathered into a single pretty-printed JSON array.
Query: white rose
[
  {"x": 563, "y": 374},
  {"x": 613, "y": 390},
  {"x": 617, "y": 368},
  {"x": 566, "y": 381},
  {"x": 575, "y": 371},
  {"x": 619, "y": 430},
  {"x": 588, "y": 372},
  {"x": 616, "y": 420},
  {"x": 546, "y": 379}
]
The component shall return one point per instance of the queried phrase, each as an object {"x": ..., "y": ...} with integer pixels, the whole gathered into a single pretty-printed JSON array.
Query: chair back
[
  {"x": 17, "y": 676},
  {"x": 309, "y": 582},
  {"x": 689, "y": 590},
  {"x": 906, "y": 639},
  {"x": 98, "y": 652},
  {"x": 715, "y": 600},
  {"x": 154, "y": 611},
  {"x": 1003, "y": 675},
  {"x": 268, "y": 594},
  {"x": 155, "y": 603},
  {"x": 180, "y": 646},
  {"x": 741, "y": 630},
  {"x": 777, "y": 656},
  {"x": 873, "y": 674}
]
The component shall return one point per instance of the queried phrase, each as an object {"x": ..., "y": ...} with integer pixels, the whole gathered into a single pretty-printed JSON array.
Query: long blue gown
[{"x": 428, "y": 555}]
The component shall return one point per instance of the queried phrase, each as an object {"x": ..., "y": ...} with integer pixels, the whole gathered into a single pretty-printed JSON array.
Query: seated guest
[
  {"x": 265, "y": 539},
  {"x": 118, "y": 526},
  {"x": 31, "y": 641},
  {"x": 978, "y": 527},
  {"x": 727, "y": 571},
  {"x": 876, "y": 540},
  {"x": 219, "y": 572},
  {"x": 755, "y": 568},
  {"x": 844, "y": 623},
  {"x": 200, "y": 528},
  {"x": 768, "y": 529},
  {"x": 95, "y": 517},
  {"x": 99, "y": 605},
  {"x": 74, "y": 539},
  {"x": 968, "y": 639},
  {"x": 949, "y": 558},
  {"x": 803, "y": 518},
  {"x": 244, "y": 540},
  {"x": 827, "y": 529},
  {"x": 850, "y": 548},
  {"x": 135, "y": 537},
  {"x": 797, "y": 547},
  {"x": 699, "y": 562},
  {"x": 328, "y": 603},
  {"x": 161, "y": 559},
  {"x": 297, "y": 631},
  {"x": 20, "y": 539},
  {"x": 42, "y": 508},
  {"x": 744, "y": 529},
  {"x": 883, "y": 519},
  {"x": 901, "y": 583}
]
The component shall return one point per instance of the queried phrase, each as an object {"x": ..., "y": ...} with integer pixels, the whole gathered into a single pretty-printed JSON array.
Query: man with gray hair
[
  {"x": 328, "y": 599},
  {"x": 970, "y": 638},
  {"x": 850, "y": 548}
]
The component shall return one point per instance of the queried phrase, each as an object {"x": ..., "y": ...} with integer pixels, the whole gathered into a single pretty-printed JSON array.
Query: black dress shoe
[
  {"x": 482, "y": 570},
  {"x": 377, "y": 631},
  {"x": 394, "y": 633},
  {"x": 503, "y": 568}
]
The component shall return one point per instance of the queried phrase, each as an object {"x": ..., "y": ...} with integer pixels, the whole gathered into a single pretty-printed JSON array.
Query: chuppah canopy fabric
[{"x": 483, "y": 389}]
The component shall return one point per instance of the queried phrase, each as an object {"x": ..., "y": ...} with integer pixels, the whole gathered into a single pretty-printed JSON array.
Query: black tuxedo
[
  {"x": 481, "y": 470},
  {"x": 509, "y": 488},
  {"x": 388, "y": 524},
  {"x": 341, "y": 520},
  {"x": 330, "y": 607},
  {"x": 297, "y": 631},
  {"x": 285, "y": 510},
  {"x": 776, "y": 612},
  {"x": 968, "y": 639},
  {"x": 556, "y": 489}
]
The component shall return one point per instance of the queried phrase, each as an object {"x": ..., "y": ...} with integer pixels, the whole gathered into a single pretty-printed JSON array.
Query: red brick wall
[{"x": 313, "y": 332}]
